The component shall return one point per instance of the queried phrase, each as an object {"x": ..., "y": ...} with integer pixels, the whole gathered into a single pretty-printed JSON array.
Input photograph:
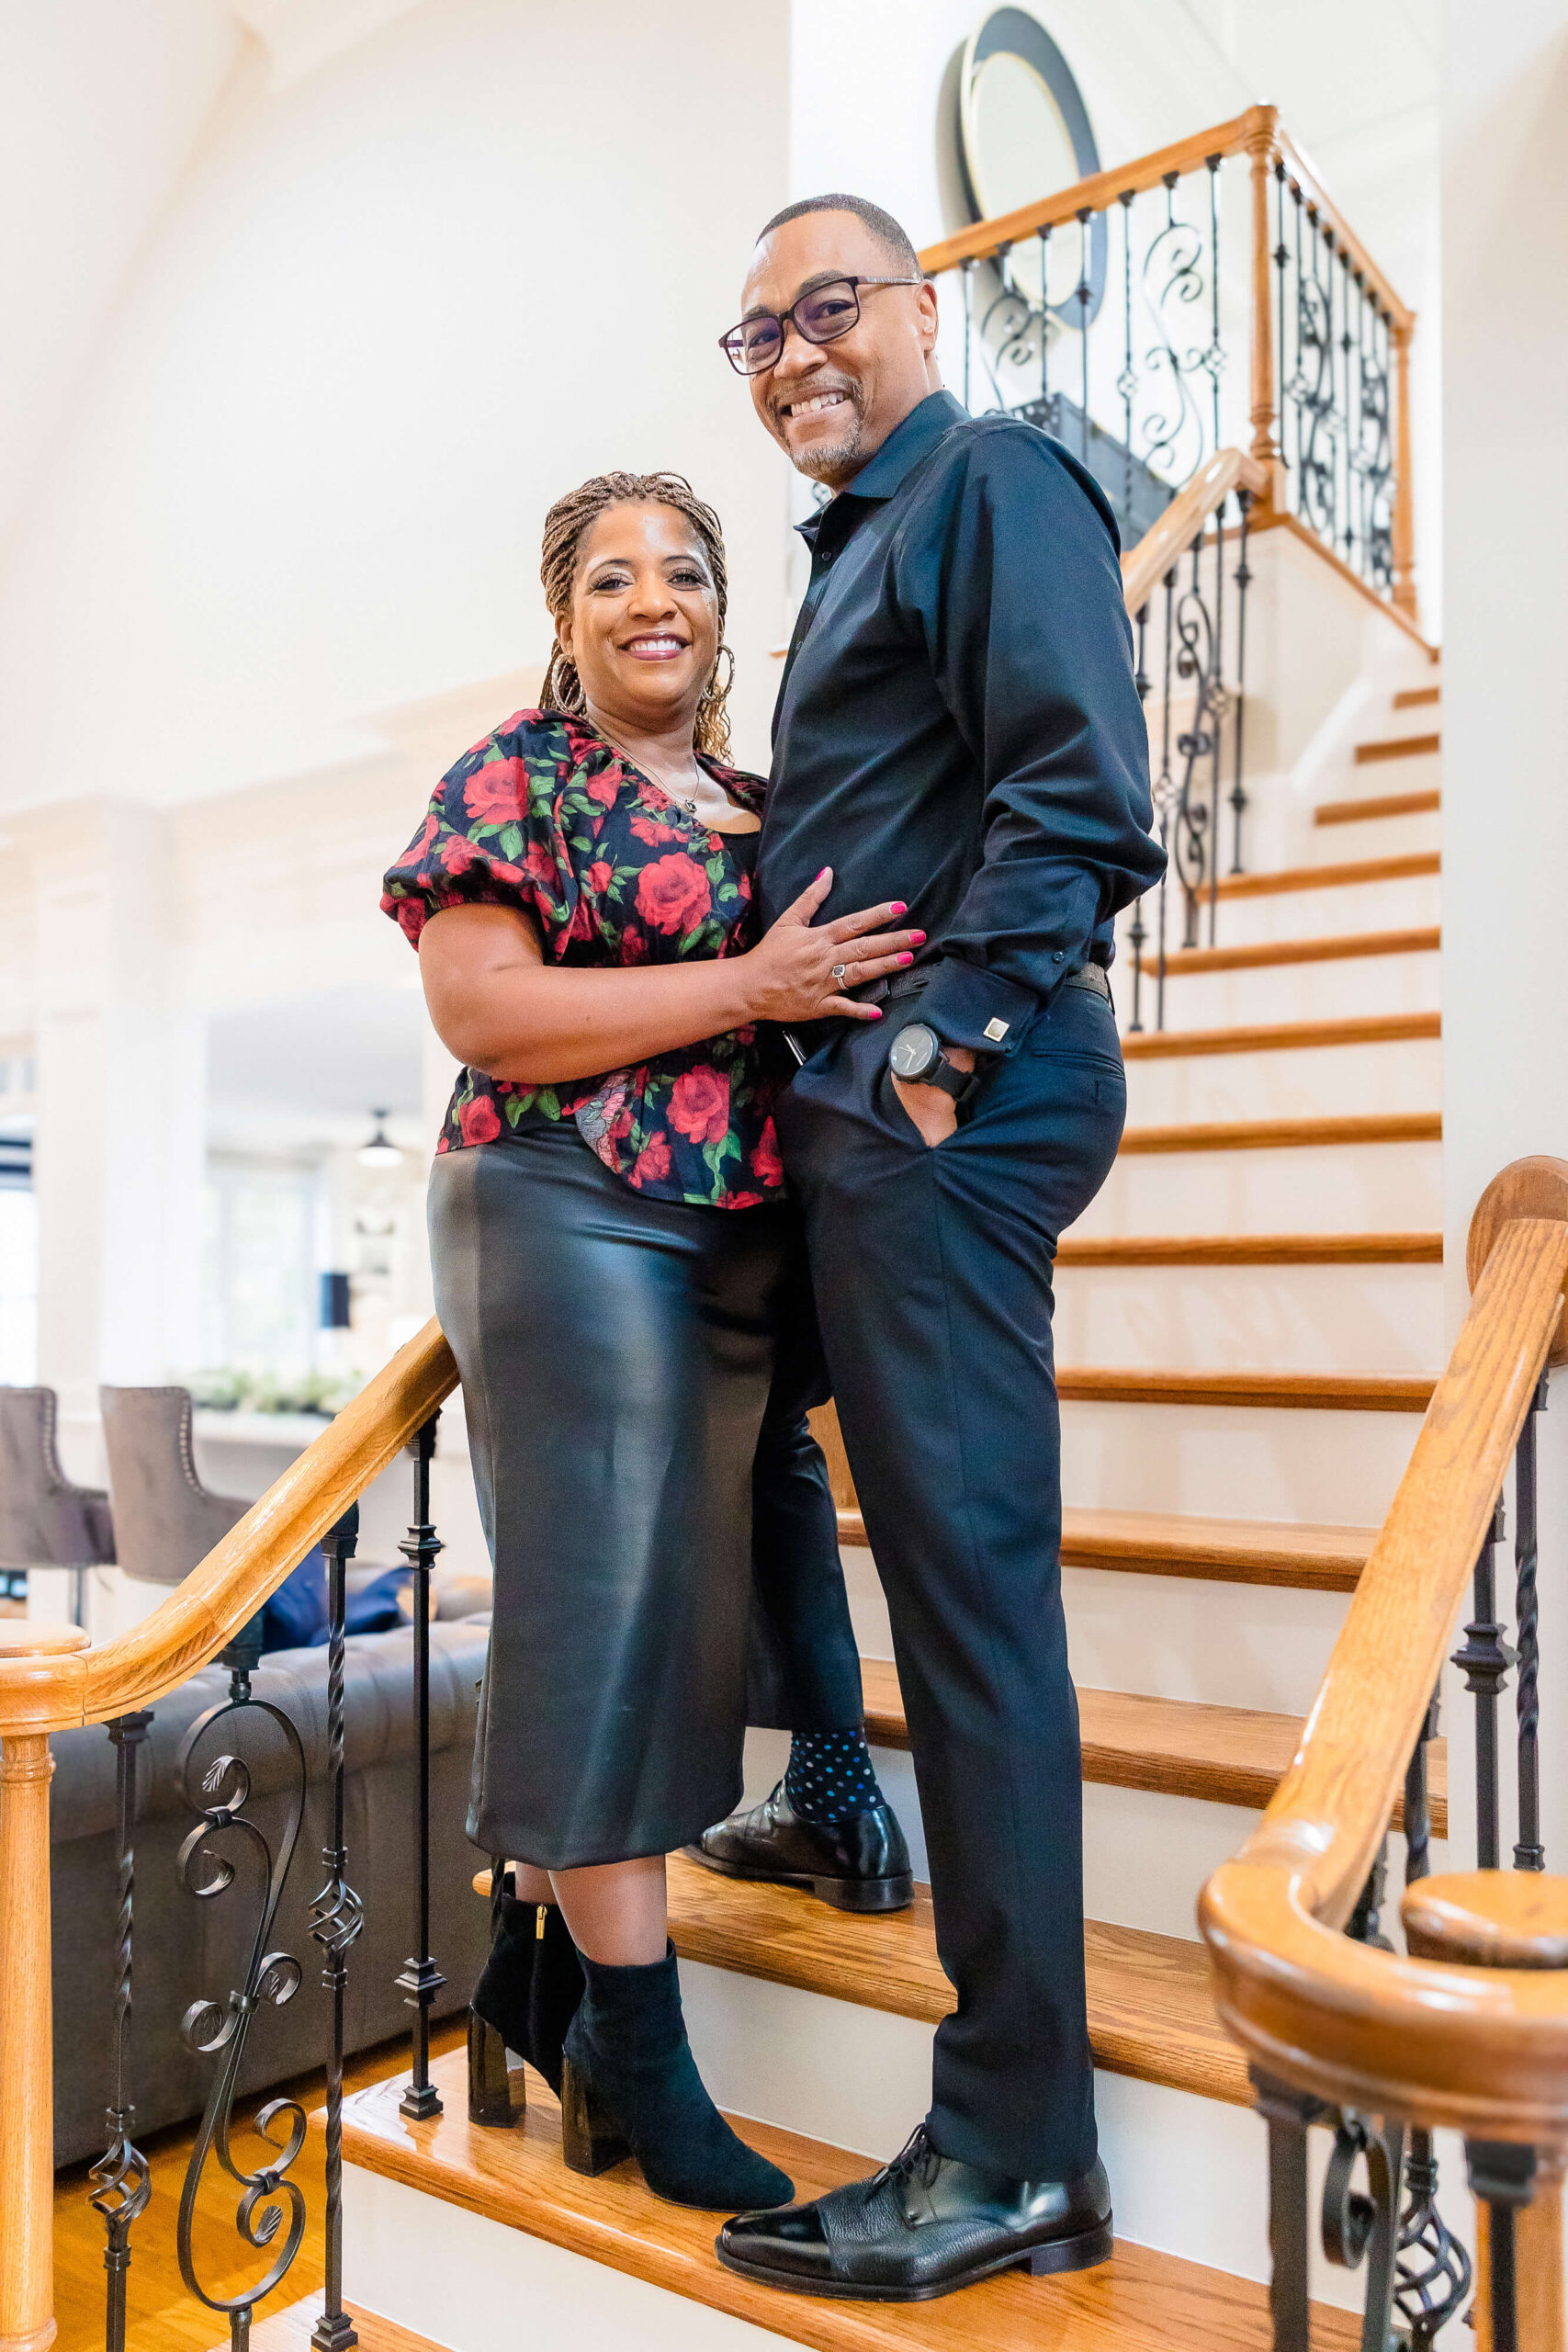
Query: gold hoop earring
[
  {"x": 570, "y": 698},
  {"x": 713, "y": 692}
]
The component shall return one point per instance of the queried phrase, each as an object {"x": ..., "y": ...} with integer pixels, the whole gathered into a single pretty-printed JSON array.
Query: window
[
  {"x": 258, "y": 1266},
  {"x": 19, "y": 1283}
]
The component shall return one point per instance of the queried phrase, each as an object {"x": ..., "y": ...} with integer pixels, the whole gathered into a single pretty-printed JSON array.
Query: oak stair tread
[
  {"x": 1181, "y": 1748},
  {"x": 1282, "y": 1036},
  {"x": 1384, "y": 804},
  {"x": 1278, "y": 1135},
  {"x": 1404, "y": 868},
  {"x": 1294, "y": 1555},
  {"x": 1420, "y": 939},
  {"x": 1255, "y": 1250},
  {"x": 1410, "y": 697},
  {"x": 1398, "y": 747},
  {"x": 1332, "y": 1392},
  {"x": 290, "y": 2331},
  {"x": 1138, "y": 2301}
]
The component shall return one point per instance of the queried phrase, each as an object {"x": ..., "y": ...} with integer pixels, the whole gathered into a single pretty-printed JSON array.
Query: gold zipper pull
[{"x": 539, "y": 1923}]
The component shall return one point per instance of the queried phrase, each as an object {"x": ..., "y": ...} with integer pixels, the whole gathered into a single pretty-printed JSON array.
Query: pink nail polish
[
  {"x": 876, "y": 1013},
  {"x": 919, "y": 938},
  {"x": 900, "y": 907},
  {"x": 906, "y": 959}
]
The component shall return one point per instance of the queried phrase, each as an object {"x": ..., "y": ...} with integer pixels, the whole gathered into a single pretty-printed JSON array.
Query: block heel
[
  {"x": 591, "y": 2141},
  {"x": 1082, "y": 2253},
  {"x": 866, "y": 1893},
  {"x": 490, "y": 2102}
]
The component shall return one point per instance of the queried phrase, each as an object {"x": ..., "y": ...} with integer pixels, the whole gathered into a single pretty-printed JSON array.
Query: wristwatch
[{"x": 918, "y": 1059}]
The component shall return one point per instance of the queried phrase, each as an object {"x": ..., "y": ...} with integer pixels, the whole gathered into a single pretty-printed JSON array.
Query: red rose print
[
  {"x": 605, "y": 788},
  {"x": 649, "y": 830},
  {"x": 501, "y": 872},
  {"x": 442, "y": 1144},
  {"x": 652, "y": 1161},
  {"x": 699, "y": 1105},
  {"x": 479, "y": 1120},
  {"x": 458, "y": 854},
  {"x": 673, "y": 893},
  {"x": 417, "y": 849},
  {"x": 497, "y": 791},
  {"x": 634, "y": 946},
  {"x": 766, "y": 1165},
  {"x": 541, "y": 865},
  {"x": 738, "y": 1201},
  {"x": 581, "y": 924},
  {"x": 601, "y": 873}
]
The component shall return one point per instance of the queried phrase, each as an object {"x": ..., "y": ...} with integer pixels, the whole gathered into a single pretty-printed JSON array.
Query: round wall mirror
[{"x": 1024, "y": 132}]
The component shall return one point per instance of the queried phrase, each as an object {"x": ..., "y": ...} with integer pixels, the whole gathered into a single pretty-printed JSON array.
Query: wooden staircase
[{"x": 1198, "y": 1633}]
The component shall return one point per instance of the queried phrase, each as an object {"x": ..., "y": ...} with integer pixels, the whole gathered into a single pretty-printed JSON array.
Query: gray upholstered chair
[
  {"x": 45, "y": 1521},
  {"x": 165, "y": 1521}
]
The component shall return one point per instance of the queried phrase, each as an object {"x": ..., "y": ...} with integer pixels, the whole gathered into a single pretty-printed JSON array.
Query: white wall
[{"x": 1504, "y": 679}]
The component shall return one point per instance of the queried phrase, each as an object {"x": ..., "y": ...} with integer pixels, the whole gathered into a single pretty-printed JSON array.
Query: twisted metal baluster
[
  {"x": 1218, "y": 699},
  {"x": 1165, "y": 789},
  {"x": 1432, "y": 2269},
  {"x": 124, "y": 2183},
  {"x": 1484, "y": 1659},
  {"x": 1530, "y": 1854},
  {"x": 421, "y": 1979},
  {"x": 1243, "y": 581},
  {"x": 336, "y": 1919}
]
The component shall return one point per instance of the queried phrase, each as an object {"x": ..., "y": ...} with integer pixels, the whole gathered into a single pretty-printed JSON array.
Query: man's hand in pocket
[{"x": 933, "y": 1111}]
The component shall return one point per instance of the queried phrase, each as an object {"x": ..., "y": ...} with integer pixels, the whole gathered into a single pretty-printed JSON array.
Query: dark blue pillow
[{"x": 295, "y": 1616}]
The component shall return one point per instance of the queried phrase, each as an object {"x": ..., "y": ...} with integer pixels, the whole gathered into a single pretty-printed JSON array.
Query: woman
[{"x": 611, "y": 1254}]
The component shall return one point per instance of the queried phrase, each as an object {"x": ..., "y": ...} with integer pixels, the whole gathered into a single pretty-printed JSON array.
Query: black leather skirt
[{"x": 616, "y": 1355}]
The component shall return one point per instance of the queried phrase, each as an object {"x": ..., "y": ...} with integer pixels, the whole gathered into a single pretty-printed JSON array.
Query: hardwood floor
[{"x": 162, "y": 2316}]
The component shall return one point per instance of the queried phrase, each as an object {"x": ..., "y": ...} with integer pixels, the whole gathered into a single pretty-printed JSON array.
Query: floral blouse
[{"x": 546, "y": 816}]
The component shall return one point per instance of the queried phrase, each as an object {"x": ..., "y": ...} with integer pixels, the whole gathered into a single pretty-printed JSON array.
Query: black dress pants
[{"x": 931, "y": 1270}]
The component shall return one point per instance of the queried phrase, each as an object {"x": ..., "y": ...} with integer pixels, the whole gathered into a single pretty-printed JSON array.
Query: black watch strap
[{"x": 959, "y": 1083}]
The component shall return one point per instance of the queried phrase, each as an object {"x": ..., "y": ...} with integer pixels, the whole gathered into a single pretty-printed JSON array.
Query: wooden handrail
[
  {"x": 1483, "y": 2049},
  {"x": 1144, "y": 566},
  {"x": 51, "y": 1692},
  {"x": 1257, "y": 132}
]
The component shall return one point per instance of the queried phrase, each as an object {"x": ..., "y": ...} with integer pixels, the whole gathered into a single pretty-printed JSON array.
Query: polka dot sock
[{"x": 830, "y": 1775}]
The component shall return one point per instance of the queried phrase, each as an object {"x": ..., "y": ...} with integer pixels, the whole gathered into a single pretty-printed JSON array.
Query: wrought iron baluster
[
  {"x": 1298, "y": 381},
  {"x": 1346, "y": 345},
  {"x": 1484, "y": 1659},
  {"x": 1165, "y": 789},
  {"x": 336, "y": 1918},
  {"x": 1364, "y": 1926},
  {"x": 1045, "y": 235},
  {"x": 1085, "y": 217},
  {"x": 270, "y": 1976},
  {"x": 1287, "y": 2114},
  {"x": 1215, "y": 358},
  {"x": 1530, "y": 1854},
  {"x": 1503, "y": 2174},
  {"x": 1243, "y": 581},
  {"x": 965, "y": 277},
  {"x": 1359, "y": 2228},
  {"x": 421, "y": 1980},
  {"x": 123, "y": 2182},
  {"x": 1127, "y": 383},
  {"x": 1217, "y": 706},
  {"x": 1137, "y": 933},
  {"x": 1281, "y": 255},
  {"x": 1432, "y": 2269}
]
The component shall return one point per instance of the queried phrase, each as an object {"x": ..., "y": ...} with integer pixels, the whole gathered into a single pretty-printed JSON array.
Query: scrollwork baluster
[
  {"x": 1085, "y": 289},
  {"x": 270, "y": 1976},
  {"x": 1137, "y": 933},
  {"x": 123, "y": 2182},
  {"x": 1243, "y": 581},
  {"x": 1364, "y": 2226}
]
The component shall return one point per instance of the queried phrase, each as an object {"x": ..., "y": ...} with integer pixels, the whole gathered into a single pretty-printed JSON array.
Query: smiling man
[{"x": 957, "y": 726}]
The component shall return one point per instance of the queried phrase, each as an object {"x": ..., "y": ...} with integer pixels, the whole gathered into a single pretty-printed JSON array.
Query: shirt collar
[{"x": 898, "y": 455}]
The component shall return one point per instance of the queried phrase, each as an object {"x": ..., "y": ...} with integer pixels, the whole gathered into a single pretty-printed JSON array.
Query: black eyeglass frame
[{"x": 784, "y": 319}]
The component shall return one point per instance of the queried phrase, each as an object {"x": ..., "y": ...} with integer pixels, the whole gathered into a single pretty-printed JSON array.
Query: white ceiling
[{"x": 314, "y": 1066}]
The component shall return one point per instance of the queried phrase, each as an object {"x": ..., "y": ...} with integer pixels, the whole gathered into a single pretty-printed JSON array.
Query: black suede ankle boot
[
  {"x": 524, "y": 2000},
  {"x": 632, "y": 2088}
]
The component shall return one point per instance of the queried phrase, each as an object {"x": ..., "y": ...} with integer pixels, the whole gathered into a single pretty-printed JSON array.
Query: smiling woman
[{"x": 621, "y": 1281}]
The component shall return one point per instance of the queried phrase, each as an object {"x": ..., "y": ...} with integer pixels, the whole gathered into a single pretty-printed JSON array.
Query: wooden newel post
[
  {"x": 1403, "y": 477},
  {"x": 1262, "y": 151},
  {"x": 26, "y": 2056}
]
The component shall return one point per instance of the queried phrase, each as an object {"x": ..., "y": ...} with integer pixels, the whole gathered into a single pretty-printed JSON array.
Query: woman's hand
[{"x": 789, "y": 975}]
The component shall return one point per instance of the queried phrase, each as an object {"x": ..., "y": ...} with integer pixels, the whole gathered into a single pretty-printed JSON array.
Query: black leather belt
[{"x": 1087, "y": 976}]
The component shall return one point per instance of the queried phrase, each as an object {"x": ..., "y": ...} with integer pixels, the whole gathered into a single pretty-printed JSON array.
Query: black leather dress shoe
[
  {"x": 922, "y": 2226},
  {"x": 860, "y": 1864}
]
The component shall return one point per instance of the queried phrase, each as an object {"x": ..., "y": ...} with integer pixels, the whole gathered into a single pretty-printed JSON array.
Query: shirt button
[{"x": 1059, "y": 956}]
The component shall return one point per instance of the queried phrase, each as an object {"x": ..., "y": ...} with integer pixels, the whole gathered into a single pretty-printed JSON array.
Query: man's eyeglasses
[{"x": 821, "y": 316}]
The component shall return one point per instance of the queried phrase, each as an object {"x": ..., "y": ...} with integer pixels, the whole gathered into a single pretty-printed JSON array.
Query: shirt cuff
[{"x": 966, "y": 1005}]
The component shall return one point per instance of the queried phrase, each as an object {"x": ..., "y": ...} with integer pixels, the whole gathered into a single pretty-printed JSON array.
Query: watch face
[{"x": 914, "y": 1051}]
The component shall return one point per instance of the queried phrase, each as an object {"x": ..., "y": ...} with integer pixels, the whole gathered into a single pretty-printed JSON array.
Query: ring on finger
[{"x": 839, "y": 971}]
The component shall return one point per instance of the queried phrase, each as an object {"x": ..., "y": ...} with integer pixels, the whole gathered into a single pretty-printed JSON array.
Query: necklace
[{"x": 687, "y": 800}]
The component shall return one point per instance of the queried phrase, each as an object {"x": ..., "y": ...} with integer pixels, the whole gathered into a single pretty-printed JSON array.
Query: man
[{"x": 958, "y": 727}]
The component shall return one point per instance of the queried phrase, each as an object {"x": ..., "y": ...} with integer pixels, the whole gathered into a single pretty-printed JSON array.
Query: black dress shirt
[{"x": 957, "y": 724}]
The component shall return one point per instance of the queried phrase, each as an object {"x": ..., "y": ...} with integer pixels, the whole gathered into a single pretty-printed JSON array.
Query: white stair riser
[
  {"x": 1187, "y": 2176},
  {"x": 1311, "y": 1319},
  {"x": 1324, "y": 913},
  {"x": 1236, "y": 1460},
  {"x": 1333, "y": 989},
  {"x": 1417, "y": 829},
  {"x": 1408, "y": 772},
  {"x": 469, "y": 2283},
  {"x": 1311, "y": 1188},
  {"x": 1307, "y": 1082}
]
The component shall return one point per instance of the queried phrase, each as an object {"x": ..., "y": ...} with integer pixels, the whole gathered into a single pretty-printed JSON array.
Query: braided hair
[{"x": 565, "y": 527}]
